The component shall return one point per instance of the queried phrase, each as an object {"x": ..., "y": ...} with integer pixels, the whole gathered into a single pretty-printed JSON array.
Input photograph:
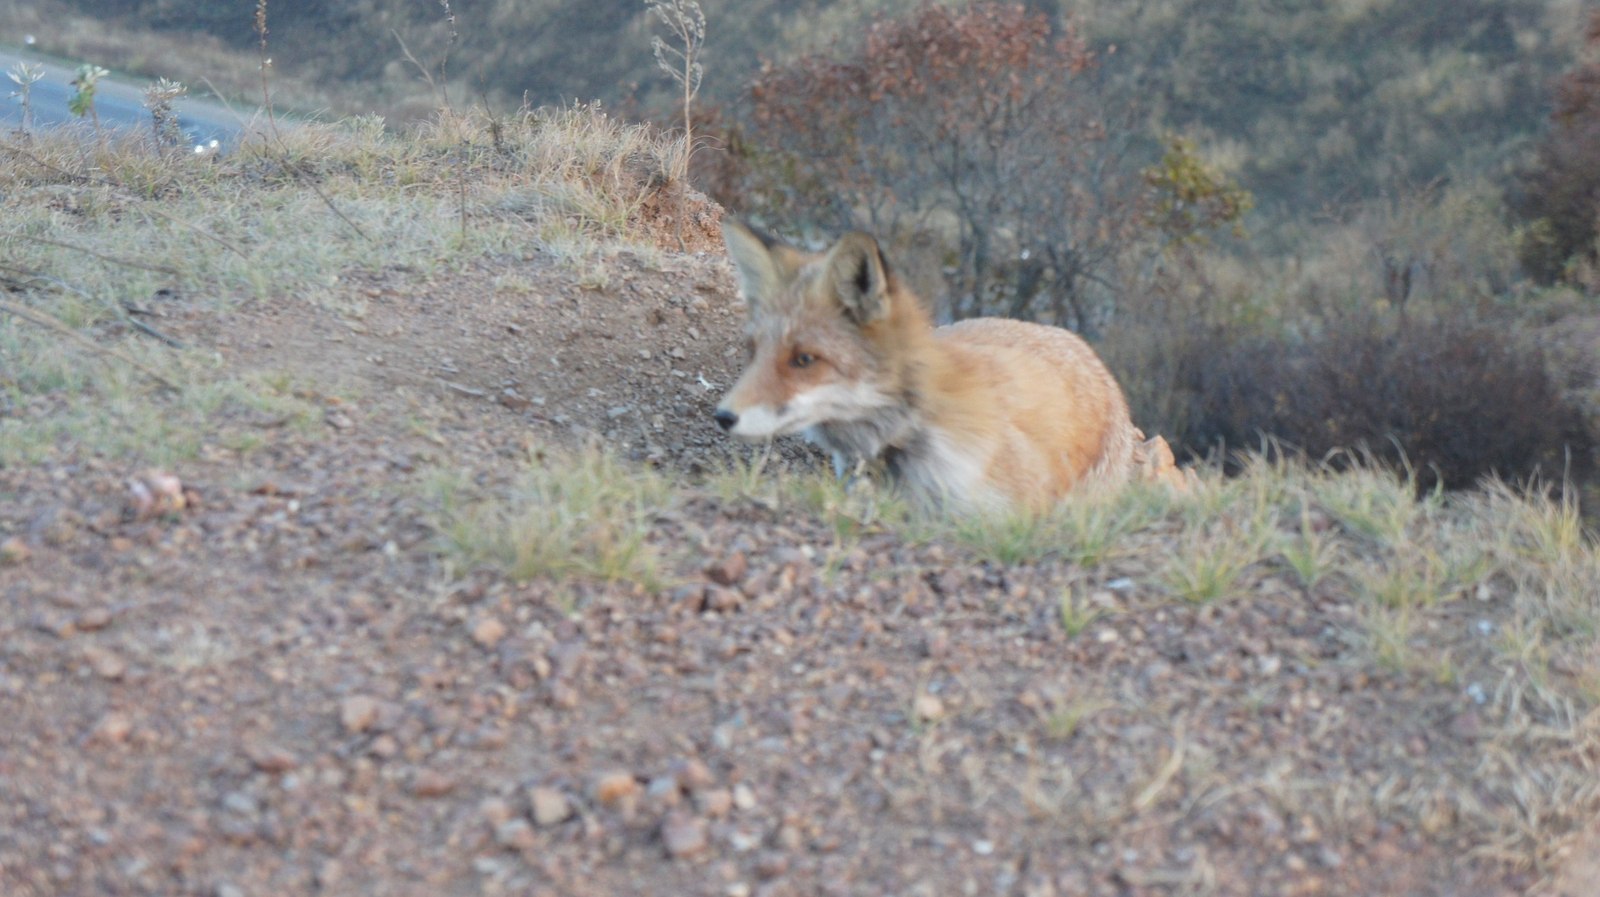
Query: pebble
[
  {"x": 516, "y": 834},
  {"x": 240, "y": 803},
  {"x": 772, "y": 865},
  {"x": 357, "y": 713},
  {"x": 488, "y": 631},
  {"x": 730, "y": 570},
  {"x": 550, "y": 806},
  {"x": 113, "y": 728},
  {"x": 694, "y": 775},
  {"x": 714, "y": 802},
  {"x": 663, "y": 792},
  {"x": 496, "y": 811},
  {"x": 105, "y": 663},
  {"x": 14, "y": 551},
  {"x": 722, "y": 599},
  {"x": 928, "y": 708},
  {"x": 683, "y": 835},
  {"x": 271, "y": 758},
  {"x": 93, "y": 619},
  {"x": 743, "y": 797},
  {"x": 431, "y": 783},
  {"x": 614, "y": 788}
]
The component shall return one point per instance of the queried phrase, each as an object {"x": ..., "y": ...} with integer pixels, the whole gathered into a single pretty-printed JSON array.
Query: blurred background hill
[{"x": 1309, "y": 103}]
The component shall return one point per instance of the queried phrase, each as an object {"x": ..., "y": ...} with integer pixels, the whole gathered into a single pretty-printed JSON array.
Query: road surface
[{"x": 119, "y": 101}]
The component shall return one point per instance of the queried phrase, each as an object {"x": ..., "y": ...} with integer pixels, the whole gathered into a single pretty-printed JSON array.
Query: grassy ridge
[{"x": 1486, "y": 599}]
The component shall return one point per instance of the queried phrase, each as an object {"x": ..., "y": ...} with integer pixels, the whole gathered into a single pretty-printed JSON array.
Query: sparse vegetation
[
  {"x": 387, "y": 498},
  {"x": 585, "y": 516},
  {"x": 25, "y": 76},
  {"x": 1557, "y": 195}
]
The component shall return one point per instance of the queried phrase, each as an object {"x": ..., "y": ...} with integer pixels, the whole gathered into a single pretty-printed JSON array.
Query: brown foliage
[
  {"x": 1455, "y": 401},
  {"x": 1558, "y": 194},
  {"x": 978, "y": 125}
]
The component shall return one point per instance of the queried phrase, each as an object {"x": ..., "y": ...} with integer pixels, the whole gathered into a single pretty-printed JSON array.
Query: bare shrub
[
  {"x": 977, "y": 125},
  {"x": 1557, "y": 194},
  {"x": 1454, "y": 401}
]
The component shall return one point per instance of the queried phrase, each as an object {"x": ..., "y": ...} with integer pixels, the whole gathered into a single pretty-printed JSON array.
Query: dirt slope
[{"x": 276, "y": 689}]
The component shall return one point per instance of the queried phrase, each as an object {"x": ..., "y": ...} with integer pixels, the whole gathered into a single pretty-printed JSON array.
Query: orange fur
[{"x": 983, "y": 414}]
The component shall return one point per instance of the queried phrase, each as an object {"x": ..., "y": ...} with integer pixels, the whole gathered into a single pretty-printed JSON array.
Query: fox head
[{"x": 820, "y": 335}]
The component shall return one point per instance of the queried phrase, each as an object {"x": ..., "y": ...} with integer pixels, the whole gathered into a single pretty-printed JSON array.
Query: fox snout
[{"x": 725, "y": 419}]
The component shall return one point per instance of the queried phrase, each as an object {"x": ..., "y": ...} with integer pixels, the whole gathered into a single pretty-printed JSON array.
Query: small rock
[
  {"x": 722, "y": 599},
  {"x": 663, "y": 793},
  {"x": 431, "y": 783},
  {"x": 113, "y": 728},
  {"x": 384, "y": 747},
  {"x": 488, "y": 631},
  {"x": 105, "y": 663},
  {"x": 729, "y": 571},
  {"x": 357, "y": 713},
  {"x": 743, "y": 797},
  {"x": 495, "y": 811},
  {"x": 550, "y": 806},
  {"x": 14, "y": 551},
  {"x": 928, "y": 708},
  {"x": 516, "y": 834},
  {"x": 772, "y": 865},
  {"x": 714, "y": 802},
  {"x": 694, "y": 775},
  {"x": 271, "y": 758},
  {"x": 683, "y": 835},
  {"x": 93, "y": 619},
  {"x": 615, "y": 788},
  {"x": 240, "y": 803}
]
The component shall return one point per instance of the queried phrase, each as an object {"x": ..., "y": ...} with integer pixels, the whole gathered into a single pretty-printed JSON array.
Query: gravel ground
[{"x": 255, "y": 673}]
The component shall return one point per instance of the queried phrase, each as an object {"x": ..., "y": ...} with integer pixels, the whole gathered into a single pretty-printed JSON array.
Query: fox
[{"x": 983, "y": 415}]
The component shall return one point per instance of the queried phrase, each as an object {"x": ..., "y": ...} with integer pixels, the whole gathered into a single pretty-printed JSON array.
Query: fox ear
[
  {"x": 858, "y": 275},
  {"x": 765, "y": 266}
]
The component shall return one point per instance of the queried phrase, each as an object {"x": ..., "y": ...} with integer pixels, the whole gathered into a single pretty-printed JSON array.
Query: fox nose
[{"x": 725, "y": 418}]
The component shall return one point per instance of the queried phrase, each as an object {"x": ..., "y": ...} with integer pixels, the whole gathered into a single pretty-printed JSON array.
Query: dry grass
[
  {"x": 105, "y": 232},
  {"x": 581, "y": 516}
]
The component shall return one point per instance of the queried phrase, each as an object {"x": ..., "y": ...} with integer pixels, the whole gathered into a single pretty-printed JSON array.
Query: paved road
[{"x": 120, "y": 102}]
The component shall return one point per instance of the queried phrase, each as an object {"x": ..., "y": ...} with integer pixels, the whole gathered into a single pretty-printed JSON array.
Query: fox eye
[{"x": 802, "y": 359}]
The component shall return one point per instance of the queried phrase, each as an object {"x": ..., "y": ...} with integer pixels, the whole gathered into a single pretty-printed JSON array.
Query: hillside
[
  {"x": 363, "y": 530},
  {"x": 1316, "y": 106}
]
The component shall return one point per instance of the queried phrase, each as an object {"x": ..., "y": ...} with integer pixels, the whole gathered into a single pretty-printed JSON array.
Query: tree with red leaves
[{"x": 981, "y": 126}]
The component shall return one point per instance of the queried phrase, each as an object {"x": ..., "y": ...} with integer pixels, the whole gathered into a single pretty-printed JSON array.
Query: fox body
[{"x": 986, "y": 414}]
